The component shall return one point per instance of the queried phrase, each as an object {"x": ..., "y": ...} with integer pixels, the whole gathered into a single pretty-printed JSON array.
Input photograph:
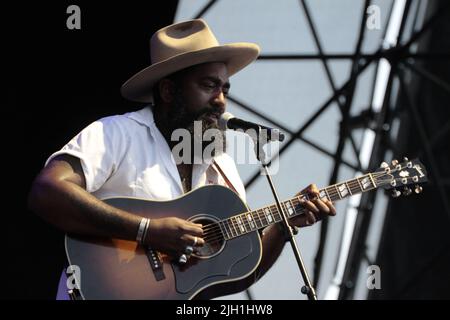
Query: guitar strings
[
  {"x": 216, "y": 236},
  {"x": 213, "y": 228},
  {"x": 213, "y": 237},
  {"x": 333, "y": 193},
  {"x": 213, "y": 232}
]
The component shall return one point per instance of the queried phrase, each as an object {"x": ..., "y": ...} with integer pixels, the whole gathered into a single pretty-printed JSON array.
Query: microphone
[{"x": 228, "y": 121}]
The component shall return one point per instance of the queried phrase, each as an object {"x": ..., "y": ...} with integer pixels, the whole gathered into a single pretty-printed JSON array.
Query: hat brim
[{"x": 236, "y": 56}]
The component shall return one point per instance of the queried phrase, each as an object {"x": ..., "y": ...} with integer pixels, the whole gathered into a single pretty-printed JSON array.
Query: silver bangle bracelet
[
  {"x": 144, "y": 236},
  {"x": 142, "y": 231}
]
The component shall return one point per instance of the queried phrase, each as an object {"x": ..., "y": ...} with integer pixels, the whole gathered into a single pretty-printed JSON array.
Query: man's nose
[{"x": 220, "y": 100}]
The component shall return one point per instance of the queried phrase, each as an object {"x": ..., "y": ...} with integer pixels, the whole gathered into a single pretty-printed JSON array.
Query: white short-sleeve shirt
[{"x": 126, "y": 155}]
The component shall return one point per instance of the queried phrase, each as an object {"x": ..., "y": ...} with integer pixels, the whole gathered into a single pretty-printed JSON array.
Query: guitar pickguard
[{"x": 195, "y": 275}]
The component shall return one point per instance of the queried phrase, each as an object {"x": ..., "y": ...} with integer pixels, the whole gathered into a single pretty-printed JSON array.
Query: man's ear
[{"x": 166, "y": 90}]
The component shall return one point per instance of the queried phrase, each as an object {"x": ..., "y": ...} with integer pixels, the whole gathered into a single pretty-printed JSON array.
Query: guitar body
[{"x": 119, "y": 269}]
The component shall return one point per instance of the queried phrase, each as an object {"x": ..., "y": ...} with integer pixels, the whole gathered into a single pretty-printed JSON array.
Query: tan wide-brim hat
[{"x": 182, "y": 45}]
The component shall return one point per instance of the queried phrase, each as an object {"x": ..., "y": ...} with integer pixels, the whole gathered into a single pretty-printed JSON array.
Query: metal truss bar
[
  {"x": 362, "y": 28},
  {"x": 428, "y": 56},
  {"x": 435, "y": 172},
  {"x": 337, "y": 56},
  {"x": 341, "y": 144},
  {"x": 314, "y": 116},
  {"x": 356, "y": 150},
  {"x": 351, "y": 266},
  {"x": 351, "y": 56},
  {"x": 252, "y": 110},
  {"x": 389, "y": 14},
  {"x": 344, "y": 108},
  {"x": 416, "y": 15},
  {"x": 427, "y": 25},
  {"x": 403, "y": 24},
  {"x": 374, "y": 82},
  {"x": 318, "y": 43},
  {"x": 350, "y": 93},
  {"x": 202, "y": 12},
  {"x": 328, "y": 153},
  {"x": 357, "y": 249},
  {"x": 427, "y": 75},
  {"x": 358, "y": 240},
  {"x": 290, "y": 132},
  {"x": 249, "y": 294}
]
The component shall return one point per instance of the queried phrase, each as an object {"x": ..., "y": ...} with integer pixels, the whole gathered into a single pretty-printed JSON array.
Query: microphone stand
[{"x": 289, "y": 232}]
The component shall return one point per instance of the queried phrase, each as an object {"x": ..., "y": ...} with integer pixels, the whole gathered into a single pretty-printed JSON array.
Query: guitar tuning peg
[
  {"x": 395, "y": 193},
  {"x": 384, "y": 165},
  {"x": 394, "y": 162},
  {"x": 407, "y": 191},
  {"x": 418, "y": 189}
]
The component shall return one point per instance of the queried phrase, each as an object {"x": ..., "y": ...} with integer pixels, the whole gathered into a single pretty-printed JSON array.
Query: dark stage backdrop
[
  {"x": 414, "y": 254},
  {"x": 58, "y": 81}
]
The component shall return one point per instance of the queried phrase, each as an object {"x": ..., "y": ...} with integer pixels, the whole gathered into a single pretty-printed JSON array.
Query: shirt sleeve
[{"x": 100, "y": 148}]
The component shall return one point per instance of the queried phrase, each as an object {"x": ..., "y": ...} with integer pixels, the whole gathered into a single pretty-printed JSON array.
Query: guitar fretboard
[{"x": 246, "y": 222}]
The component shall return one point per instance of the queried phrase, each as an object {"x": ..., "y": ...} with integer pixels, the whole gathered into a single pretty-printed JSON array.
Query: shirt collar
[
  {"x": 143, "y": 116},
  {"x": 146, "y": 118}
]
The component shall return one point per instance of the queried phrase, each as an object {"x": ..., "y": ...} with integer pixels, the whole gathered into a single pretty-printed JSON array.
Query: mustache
[{"x": 207, "y": 111}]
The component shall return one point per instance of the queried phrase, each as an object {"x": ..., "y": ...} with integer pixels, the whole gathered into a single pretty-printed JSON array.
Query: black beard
[{"x": 179, "y": 117}]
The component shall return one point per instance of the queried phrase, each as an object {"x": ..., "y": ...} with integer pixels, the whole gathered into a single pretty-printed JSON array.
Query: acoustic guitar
[{"x": 119, "y": 269}]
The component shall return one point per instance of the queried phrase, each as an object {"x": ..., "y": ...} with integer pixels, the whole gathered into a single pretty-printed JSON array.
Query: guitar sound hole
[{"x": 213, "y": 237}]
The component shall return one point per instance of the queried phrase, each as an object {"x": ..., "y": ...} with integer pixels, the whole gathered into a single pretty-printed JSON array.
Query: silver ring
[
  {"x": 195, "y": 241},
  {"x": 189, "y": 250},
  {"x": 182, "y": 259}
]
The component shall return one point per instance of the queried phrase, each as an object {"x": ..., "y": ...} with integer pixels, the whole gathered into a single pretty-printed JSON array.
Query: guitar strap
[
  {"x": 257, "y": 274},
  {"x": 228, "y": 182}
]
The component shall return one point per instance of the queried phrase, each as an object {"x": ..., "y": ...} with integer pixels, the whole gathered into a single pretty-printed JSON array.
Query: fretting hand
[{"x": 316, "y": 208}]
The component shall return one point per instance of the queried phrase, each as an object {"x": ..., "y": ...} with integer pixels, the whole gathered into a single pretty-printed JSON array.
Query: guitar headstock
[{"x": 400, "y": 177}]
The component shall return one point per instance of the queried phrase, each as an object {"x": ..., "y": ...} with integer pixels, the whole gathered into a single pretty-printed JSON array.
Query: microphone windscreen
[{"x": 224, "y": 119}]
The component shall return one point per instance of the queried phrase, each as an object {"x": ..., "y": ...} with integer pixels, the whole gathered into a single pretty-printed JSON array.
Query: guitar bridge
[{"x": 156, "y": 263}]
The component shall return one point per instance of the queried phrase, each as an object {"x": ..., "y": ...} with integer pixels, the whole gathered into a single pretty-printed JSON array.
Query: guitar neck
[{"x": 246, "y": 222}]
